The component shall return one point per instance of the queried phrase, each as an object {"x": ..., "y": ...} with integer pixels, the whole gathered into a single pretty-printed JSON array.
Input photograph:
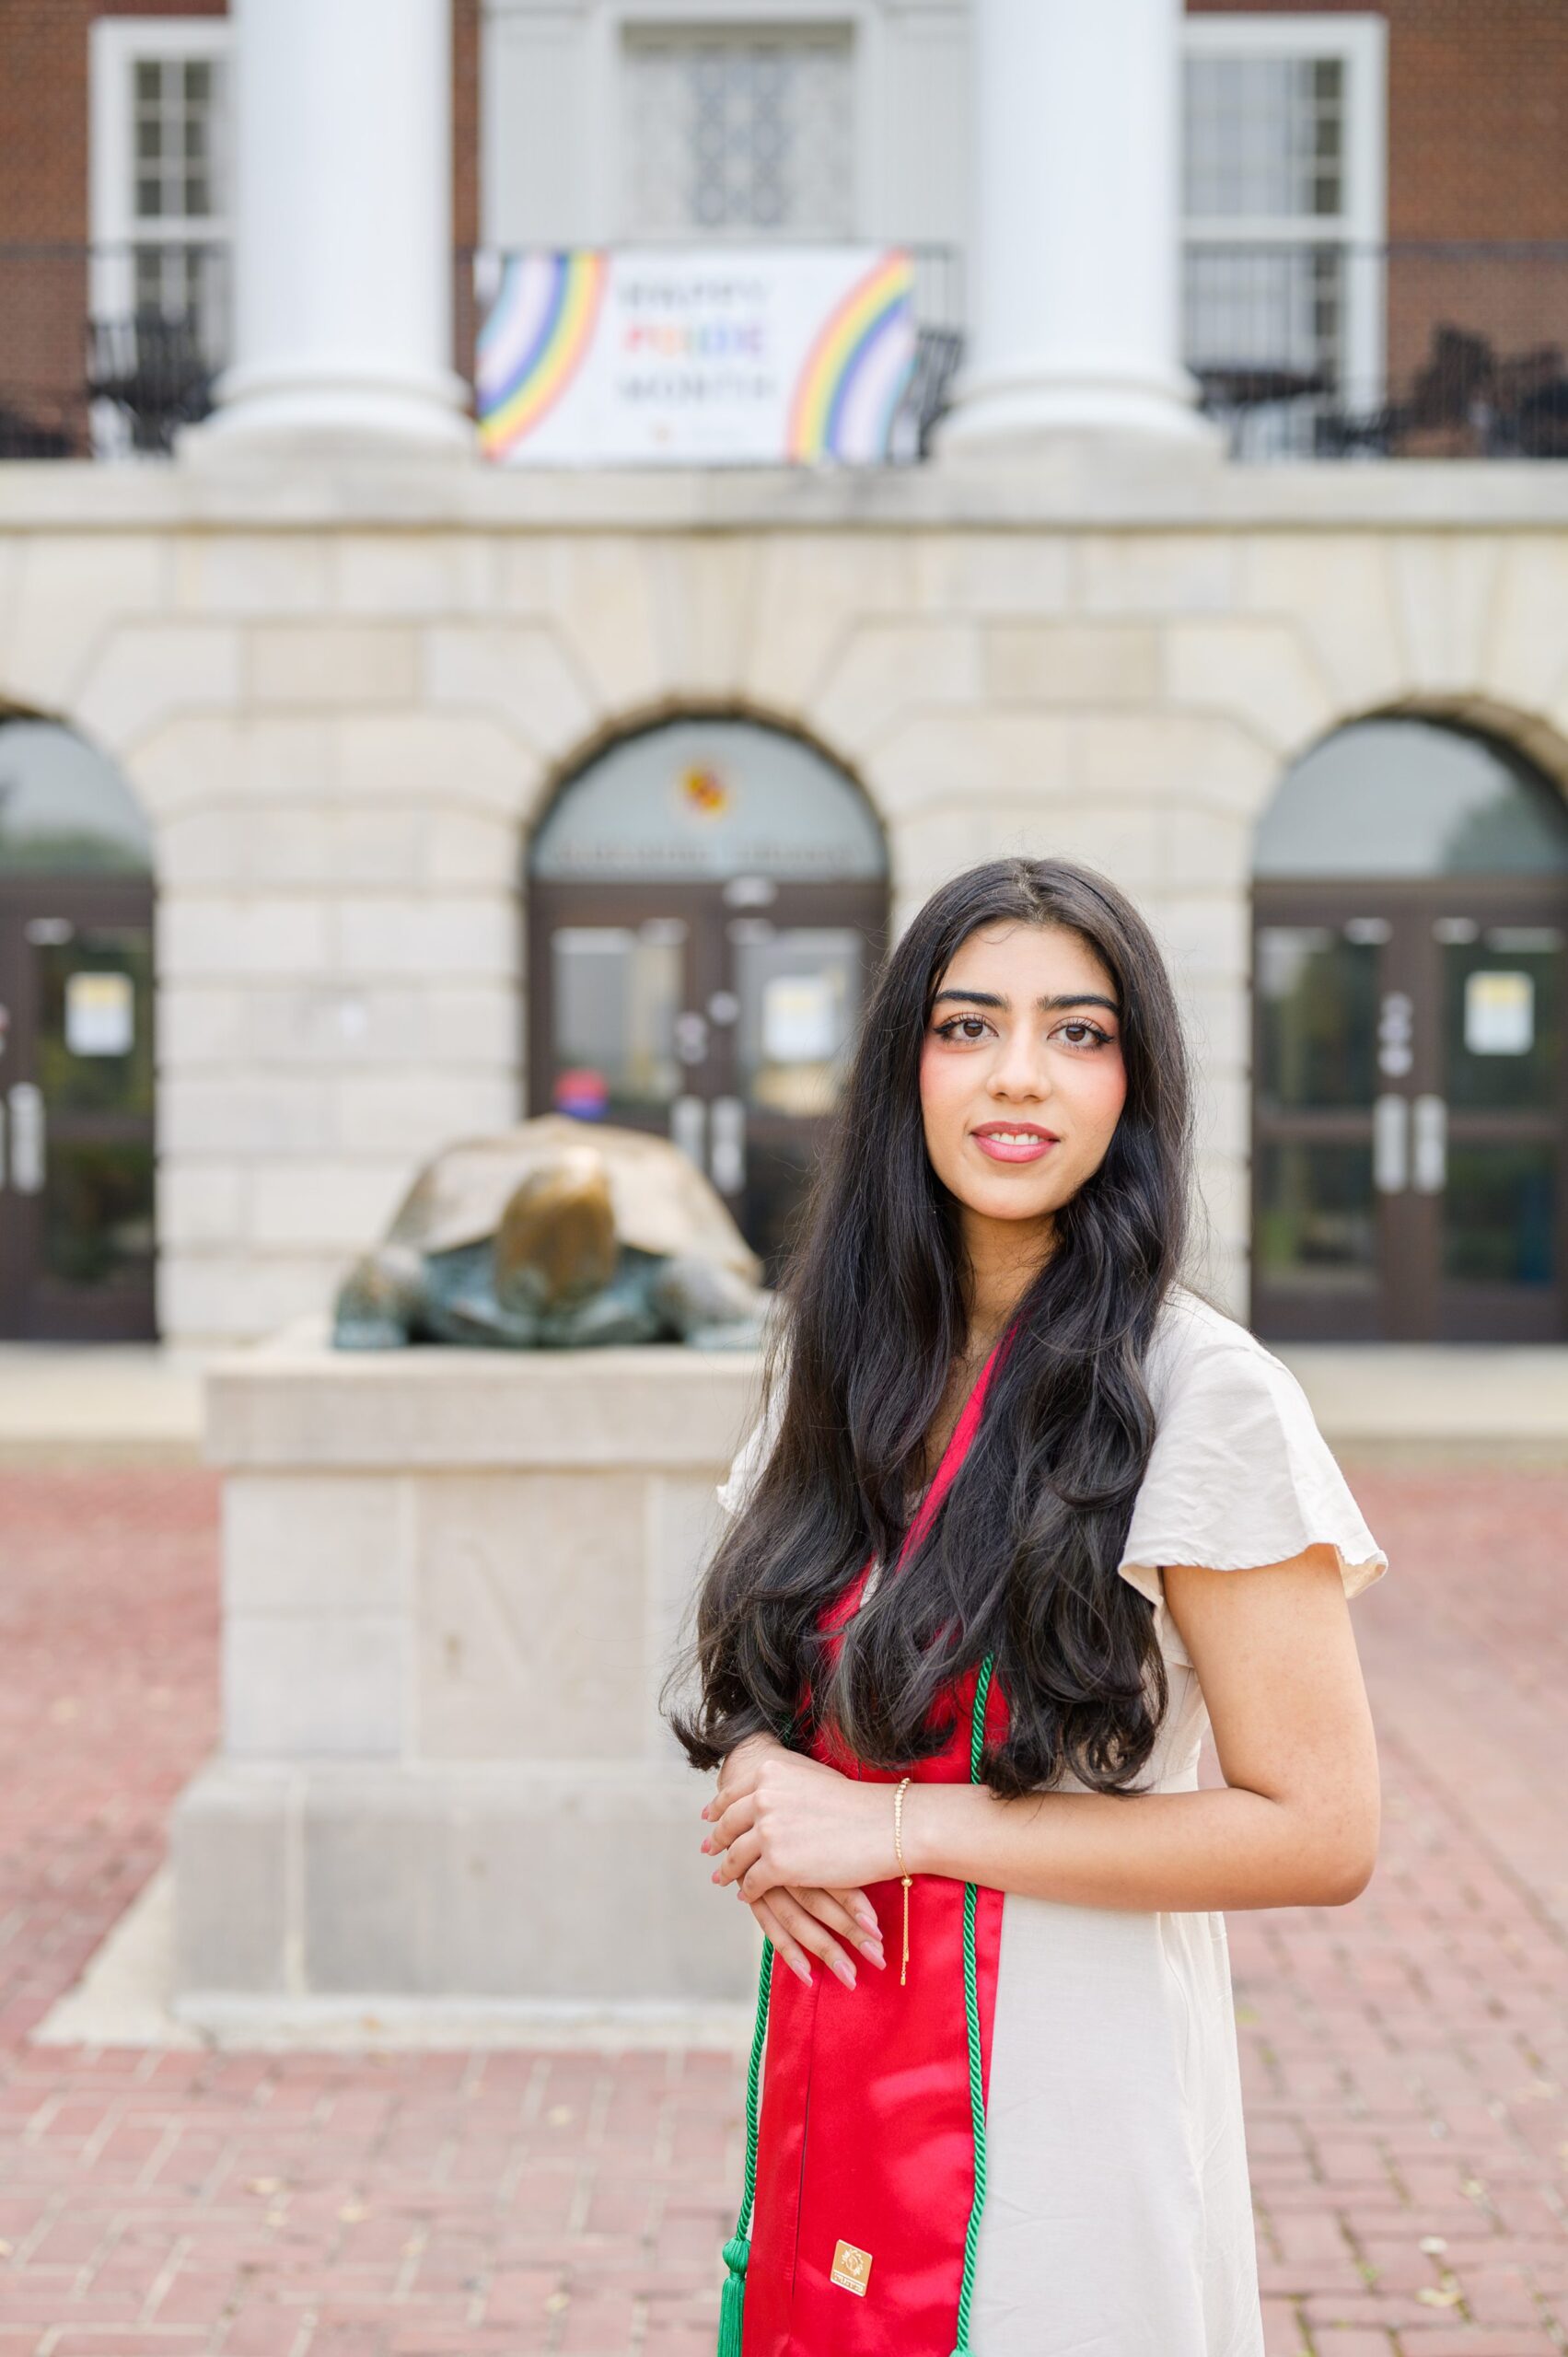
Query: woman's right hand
[
  {"x": 827, "y": 1924},
  {"x": 823, "y": 1923}
]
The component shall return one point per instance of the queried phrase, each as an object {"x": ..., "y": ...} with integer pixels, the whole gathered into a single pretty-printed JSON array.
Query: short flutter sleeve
[
  {"x": 753, "y": 1453},
  {"x": 1239, "y": 1474}
]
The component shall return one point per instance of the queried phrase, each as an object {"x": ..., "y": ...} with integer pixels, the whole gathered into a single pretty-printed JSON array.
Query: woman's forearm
[{"x": 1220, "y": 1849}]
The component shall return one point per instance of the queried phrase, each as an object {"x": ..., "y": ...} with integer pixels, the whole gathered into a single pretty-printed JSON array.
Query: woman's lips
[{"x": 1004, "y": 1149}]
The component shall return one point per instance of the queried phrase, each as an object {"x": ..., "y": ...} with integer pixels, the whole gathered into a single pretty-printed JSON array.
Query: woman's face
[{"x": 1021, "y": 1075}]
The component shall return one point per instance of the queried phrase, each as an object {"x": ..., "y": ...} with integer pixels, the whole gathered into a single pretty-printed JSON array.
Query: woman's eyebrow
[{"x": 1050, "y": 1005}]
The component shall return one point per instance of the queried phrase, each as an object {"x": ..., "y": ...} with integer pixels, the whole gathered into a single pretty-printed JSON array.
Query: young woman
[{"x": 1110, "y": 1522}]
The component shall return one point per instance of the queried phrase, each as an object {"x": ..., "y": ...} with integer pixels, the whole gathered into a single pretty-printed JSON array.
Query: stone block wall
[{"x": 346, "y": 697}]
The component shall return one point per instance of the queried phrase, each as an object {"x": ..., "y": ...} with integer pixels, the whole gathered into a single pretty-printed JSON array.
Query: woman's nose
[{"x": 1021, "y": 1070}]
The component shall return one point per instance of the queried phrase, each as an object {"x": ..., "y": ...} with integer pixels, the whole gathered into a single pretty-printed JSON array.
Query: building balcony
[{"x": 1310, "y": 348}]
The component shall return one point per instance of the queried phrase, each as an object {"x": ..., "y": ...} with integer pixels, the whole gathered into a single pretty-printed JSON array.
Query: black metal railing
[
  {"x": 1313, "y": 348},
  {"x": 1321, "y": 349},
  {"x": 107, "y": 351}
]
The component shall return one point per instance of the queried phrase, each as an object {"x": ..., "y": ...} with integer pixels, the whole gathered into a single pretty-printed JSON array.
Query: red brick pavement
[{"x": 1405, "y": 2059}]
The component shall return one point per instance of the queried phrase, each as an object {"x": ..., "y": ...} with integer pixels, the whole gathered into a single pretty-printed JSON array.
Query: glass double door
[
  {"x": 76, "y": 1151},
  {"x": 721, "y": 1016},
  {"x": 1409, "y": 1111}
]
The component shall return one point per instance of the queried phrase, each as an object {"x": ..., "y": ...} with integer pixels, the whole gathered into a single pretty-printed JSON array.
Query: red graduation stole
[{"x": 867, "y": 2160}]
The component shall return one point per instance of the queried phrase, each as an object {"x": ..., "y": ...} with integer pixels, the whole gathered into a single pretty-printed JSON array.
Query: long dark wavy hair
[{"x": 1021, "y": 1561}]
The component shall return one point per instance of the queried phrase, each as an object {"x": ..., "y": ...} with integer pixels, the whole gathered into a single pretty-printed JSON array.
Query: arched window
[
  {"x": 1411, "y": 923},
  {"x": 706, "y": 901},
  {"x": 65, "y": 810},
  {"x": 77, "y": 1066},
  {"x": 1417, "y": 799}
]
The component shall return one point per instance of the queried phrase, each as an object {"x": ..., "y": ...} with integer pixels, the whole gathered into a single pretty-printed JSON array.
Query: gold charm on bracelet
[{"x": 906, "y": 1877}]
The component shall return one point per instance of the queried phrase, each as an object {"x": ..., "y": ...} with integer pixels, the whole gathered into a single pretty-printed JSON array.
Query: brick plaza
[{"x": 1405, "y": 2059}]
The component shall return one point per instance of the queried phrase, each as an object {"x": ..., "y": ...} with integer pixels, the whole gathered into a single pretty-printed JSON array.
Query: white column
[
  {"x": 1074, "y": 269},
  {"x": 343, "y": 254}
]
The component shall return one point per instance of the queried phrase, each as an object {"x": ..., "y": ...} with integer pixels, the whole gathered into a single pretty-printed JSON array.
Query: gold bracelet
[{"x": 899, "y": 1853}]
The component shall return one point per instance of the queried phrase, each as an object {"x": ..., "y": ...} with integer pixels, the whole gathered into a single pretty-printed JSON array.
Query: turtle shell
[{"x": 662, "y": 1202}]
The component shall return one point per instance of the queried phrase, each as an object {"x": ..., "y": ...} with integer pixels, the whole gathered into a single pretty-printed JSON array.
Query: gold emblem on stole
[{"x": 852, "y": 2269}]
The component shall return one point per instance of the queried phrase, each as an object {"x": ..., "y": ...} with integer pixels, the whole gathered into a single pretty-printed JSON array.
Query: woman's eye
[
  {"x": 957, "y": 1026},
  {"x": 1085, "y": 1035}
]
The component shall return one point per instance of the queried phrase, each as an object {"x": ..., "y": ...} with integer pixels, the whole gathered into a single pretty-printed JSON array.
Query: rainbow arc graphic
[
  {"x": 854, "y": 374},
  {"x": 534, "y": 340}
]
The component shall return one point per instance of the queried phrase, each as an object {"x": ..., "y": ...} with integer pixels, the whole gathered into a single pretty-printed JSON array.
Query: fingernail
[
  {"x": 802, "y": 1972},
  {"x": 706, "y": 1843},
  {"x": 873, "y": 1948},
  {"x": 714, "y": 1876},
  {"x": 867, "y": 1920},
  {"x": 845, "y": 1971}
]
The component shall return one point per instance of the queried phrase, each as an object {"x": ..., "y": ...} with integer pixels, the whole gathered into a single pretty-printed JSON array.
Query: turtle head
[{"x": 556, "y": 1243}]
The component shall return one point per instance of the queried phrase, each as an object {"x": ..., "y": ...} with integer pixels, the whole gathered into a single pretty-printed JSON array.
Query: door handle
[
  {"x": 726, "y": 1154},
  {"x": 1390, "y": 1146},
  {"x": 1430, "y": 1125},
  {"x": 26, "y": 1138},
  {"x": 688, "y": 1126}
]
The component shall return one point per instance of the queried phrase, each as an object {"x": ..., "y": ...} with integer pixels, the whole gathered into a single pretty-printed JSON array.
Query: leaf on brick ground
[
  {"x": 351, "y": 2212},
  {"x": 559, "y": 2115},
  {"x": 264, "y": 2184},
  {"x": 1433, "y": 2245},
  {"x": 1444, "y": 2295},
  {"x": 556, "y": 2301}
]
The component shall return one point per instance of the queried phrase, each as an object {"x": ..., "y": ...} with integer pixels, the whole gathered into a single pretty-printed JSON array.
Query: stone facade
[{"x": 344, "y": 696}]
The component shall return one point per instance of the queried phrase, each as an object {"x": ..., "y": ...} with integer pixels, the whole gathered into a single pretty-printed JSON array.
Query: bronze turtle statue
[{"x": 557, "y": 1235}]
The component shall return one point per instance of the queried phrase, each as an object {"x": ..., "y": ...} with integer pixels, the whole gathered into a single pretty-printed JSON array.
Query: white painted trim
[
  {"x": 1361, "y": 42},
  {"x": 115, "y": 44}
]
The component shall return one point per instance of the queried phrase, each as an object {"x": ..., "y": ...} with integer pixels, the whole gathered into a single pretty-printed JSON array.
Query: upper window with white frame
[
  {"x": 1284, "y": 147},
  {"x": 159, "y": 169},
  {"x": 738, "y": 132}
]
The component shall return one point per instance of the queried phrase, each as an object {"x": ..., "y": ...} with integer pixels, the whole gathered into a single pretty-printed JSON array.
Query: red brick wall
[{"x": 44, "y": 109}]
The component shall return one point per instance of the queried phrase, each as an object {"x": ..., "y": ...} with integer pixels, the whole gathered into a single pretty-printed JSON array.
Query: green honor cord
[
  {"x": 737, "y": 2250},
  {"x": 971, "y": 2023}
]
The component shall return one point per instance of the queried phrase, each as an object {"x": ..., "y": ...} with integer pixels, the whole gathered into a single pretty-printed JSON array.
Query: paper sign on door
[
  {"x": 100, "y": 1015},
  {"x": 1500, "y": 1013},
  {"x": 800, "y": 1018}
]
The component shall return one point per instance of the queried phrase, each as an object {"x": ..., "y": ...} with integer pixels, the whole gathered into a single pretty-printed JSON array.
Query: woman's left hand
[{"x": 780, "y": 1817}]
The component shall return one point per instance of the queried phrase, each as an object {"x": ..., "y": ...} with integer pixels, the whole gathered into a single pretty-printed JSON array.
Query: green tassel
[
  {"x": 737, "y": 2250},
  {"x": 732, "y": 2299}
]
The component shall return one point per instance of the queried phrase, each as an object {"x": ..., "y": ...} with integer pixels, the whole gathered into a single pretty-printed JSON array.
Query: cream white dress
[{"x": 1118, "y": 2219}]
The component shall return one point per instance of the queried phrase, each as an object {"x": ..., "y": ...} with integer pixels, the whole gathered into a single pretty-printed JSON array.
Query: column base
[
  {"x": 1005, "y": 417},
  {"x": 339, "y": 407}
]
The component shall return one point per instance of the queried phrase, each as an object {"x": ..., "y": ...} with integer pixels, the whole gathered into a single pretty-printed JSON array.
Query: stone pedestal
[{"x": 452, "y": 1583}]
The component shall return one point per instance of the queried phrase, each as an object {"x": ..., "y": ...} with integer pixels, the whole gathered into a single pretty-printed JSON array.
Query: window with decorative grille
[{"x": 738, "y": 133}]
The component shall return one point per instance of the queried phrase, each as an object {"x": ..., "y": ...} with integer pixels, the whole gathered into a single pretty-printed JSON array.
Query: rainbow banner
[{"x": 688, "y": 356}]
